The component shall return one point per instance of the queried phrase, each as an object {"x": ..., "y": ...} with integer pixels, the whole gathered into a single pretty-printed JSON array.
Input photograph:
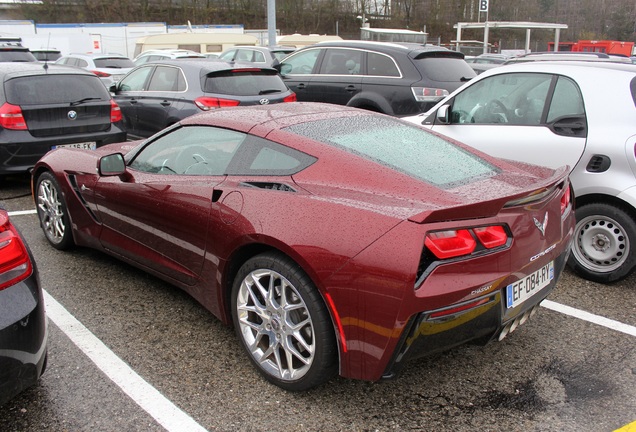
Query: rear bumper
[
  {"x": 19, "y": 151},
  {"x": 23, "y": 338},
  {"x": 488, "y": 320}
]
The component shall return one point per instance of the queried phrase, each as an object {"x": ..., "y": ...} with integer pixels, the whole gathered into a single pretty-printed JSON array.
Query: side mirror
[
  {"x": 283, "y": 68},
  {"x": 113, "y": 88},
  {"x": 111, "y": 165},
  {"x": 443, "y": 114}
]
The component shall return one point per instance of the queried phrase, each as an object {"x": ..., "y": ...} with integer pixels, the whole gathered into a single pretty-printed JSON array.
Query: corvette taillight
[
  {"x": 566, "y": 200},
  {"x": 455, "y": 243},
  {"x": 15, "y": 264},
  {"x": 115, "y": 112},
  {"x": 11, "y": 117},
  {"x": 208, "y": 103},
  {"x": 290, "y": 98}
]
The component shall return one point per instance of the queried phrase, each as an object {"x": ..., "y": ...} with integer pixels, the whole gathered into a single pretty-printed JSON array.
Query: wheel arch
[
  {"x": 371, "y": 102},
  {"x": 605, "y": 199},
  {"x": 247, "y": 251}
]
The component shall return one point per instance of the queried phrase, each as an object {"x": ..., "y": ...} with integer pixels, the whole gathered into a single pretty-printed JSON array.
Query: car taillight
[
  {"x": 115, "y": 112},
  {"x": 455, "y": 243},
  {"x": 290, "y": 98},
  {"x": 15, "y": 264},
  {"x": 566, "y": 200},
  {"x": 208, "y": 103},
  {"x": 101, "y": 74},
  {"x": 11, "y": 117},
  {"x": 426, "y": 94}
]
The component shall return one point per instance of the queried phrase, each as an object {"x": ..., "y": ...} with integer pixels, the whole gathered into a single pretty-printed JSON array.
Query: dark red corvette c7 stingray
[{"x": 335, "y": 240}]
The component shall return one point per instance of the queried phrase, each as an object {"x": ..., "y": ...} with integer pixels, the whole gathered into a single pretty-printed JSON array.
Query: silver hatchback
[{"x": 579, "y": 114}]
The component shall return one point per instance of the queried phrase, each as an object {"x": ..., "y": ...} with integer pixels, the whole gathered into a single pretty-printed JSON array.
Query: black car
[
  {"x": 23, "y": 325},
  {"x": 44, "y": 106},
  {"x": 11, "y": 50},
  {"x": 392, "y": 78},
  {"x": 158, "y": 94}
]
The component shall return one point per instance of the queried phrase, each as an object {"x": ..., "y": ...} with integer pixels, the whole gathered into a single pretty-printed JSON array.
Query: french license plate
[
  {"x": 523, "y": 289},
  {"x": 84, "y": 146}
]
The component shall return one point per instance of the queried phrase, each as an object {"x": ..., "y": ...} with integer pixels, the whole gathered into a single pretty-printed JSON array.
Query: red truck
[{"x": 604, "y": 46}]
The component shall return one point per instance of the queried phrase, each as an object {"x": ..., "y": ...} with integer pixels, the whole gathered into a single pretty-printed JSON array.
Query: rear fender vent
[
  {"x": 598, "y": 164},
  {"x": 270, "y": 186}
]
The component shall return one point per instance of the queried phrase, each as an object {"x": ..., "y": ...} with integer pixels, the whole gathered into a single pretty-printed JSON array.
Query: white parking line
[
  {"x": 143, "y": 394},
  {"x": 23, "y": 212},
  {"x": 586, "y": 316}
]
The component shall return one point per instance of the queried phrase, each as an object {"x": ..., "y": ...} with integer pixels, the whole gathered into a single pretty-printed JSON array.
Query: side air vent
[
  {"x": 598, "y": 164},
  {"x": 270, "y": 186}
]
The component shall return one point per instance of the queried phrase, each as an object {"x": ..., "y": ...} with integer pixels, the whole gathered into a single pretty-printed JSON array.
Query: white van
[{"x": 197, "y": 42}]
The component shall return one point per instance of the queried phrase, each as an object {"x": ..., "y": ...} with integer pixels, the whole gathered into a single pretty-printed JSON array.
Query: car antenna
[{"x": 46, "y": 54}]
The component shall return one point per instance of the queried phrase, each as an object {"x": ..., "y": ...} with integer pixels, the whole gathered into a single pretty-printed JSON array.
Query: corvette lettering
[{"x": 540, "y": 254}]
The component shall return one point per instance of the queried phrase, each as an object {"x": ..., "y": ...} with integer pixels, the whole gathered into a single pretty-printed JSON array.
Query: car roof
[
  {"x": 561, "y": 65},
  {"x": 97, "y": 55},
  {"x": 569, "y": 56},
  {"x": 206, "y": 65},
  {"x": 13, "y": 69},
  {"x": 413, "y": 49}
]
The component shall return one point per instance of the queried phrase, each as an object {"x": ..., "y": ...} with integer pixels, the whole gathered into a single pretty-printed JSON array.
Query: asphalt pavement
[{"x": 130, "y": 352}]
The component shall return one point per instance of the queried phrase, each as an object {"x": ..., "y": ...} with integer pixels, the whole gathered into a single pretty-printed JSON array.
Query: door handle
[
  {"x": 165, "y": 103},
  {"x": 350, "y": 88},
  {"x": 133, "y": 101},
  {"x": 300, "y": 86}
]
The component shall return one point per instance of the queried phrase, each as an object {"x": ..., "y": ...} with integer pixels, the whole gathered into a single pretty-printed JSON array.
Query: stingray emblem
[{"x": 541, "y": 226}]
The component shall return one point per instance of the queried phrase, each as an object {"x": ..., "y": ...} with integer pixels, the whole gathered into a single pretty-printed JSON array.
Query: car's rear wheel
[
  {"x": 604, "y": 238},
  {"x": 283, "y": 323},
  {"x": 52, "y": 212}
]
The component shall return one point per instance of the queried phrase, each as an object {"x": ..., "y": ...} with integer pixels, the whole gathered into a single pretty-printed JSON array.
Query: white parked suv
[
  {"x": 165, "y": 54},
  {"x": 110, "y": 68},
  {"x": 579, "y": 114}
]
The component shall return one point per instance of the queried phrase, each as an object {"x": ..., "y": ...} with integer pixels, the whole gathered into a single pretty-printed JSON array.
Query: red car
[{"x": 335, "y": 240}]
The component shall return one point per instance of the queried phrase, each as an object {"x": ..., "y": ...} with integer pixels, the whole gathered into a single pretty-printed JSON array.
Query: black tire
[
  {"x": 604, "y": 242},
  {"x": 52, "y": 212},
  {"x": 293, "y": 359}
]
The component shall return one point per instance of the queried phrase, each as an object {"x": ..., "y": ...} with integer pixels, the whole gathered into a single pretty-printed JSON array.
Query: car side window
[
  {"x": 228, "y": 56},
  {"x": 381, "y": 65},
  {"x": 190, "y": 150},
  {"x": 259, "y": 57},
  {"x": 244, "y": 55},
  {"x": 82, "y": 63},
  {"x": 136, "y": 80},
  {"x": 164, "y": 79},
  {"x": 566, "y": 101},
  {"x": 515, "y": 99},
  {"x": 341, "y": 62},
  {"x": 302, "y": 63}
]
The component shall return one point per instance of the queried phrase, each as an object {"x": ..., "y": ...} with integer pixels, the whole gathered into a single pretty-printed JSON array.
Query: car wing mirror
[
  {"x": 443, "y": 114},
  {"x": 113, "y": 88},
  {"x": 111, "y": 165},
  {"x": 283, "y": 68}
]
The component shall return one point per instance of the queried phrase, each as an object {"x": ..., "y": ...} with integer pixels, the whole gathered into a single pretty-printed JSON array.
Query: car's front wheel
[
  {"x": 52, "y": 212},
  {"x": 604, "y": 239},
  {"x": 283, "y": 323}
]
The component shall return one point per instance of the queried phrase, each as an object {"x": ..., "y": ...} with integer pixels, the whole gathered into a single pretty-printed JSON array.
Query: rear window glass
[
  {"x": 16, "y": 56},
  {"x": 47, "y": 56},
  {"x": 444, "y": 69},
  {"x": 405, "y": 148},
  {"x": 117, "y": 63},
  {"x": 54, "y": 89},
  {"x": 244, "y": 83}
]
